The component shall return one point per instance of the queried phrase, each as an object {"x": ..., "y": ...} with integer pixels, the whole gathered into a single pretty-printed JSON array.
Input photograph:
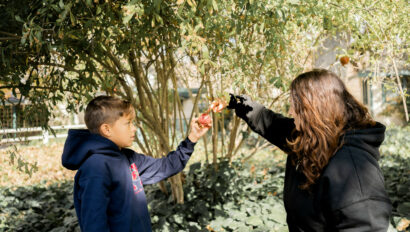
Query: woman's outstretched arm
[{"x": 272, "y": 126}]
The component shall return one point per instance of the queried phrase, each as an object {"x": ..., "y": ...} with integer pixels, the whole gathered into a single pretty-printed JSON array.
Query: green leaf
[
  {"x": 205, "y": 51},
  {"x": 159, "y": 19},
  {"x": 178, "y": 219},
  {"x": 34, "y": 204},
  {"x": 18, "y": 19},
  {"x": 280, "y": 14},
  {"x": 243, "y": 229},
  {"x": 235, "y": 224},
  {"x": 72, "y": 18},
  {"x": 295, "y": 2},
  {"x": 215, "y": 5},
  {"x": 202, "y": 68},
  {"x": 218, "y": 223},
  {"x": 24, "y": 38},
  {"x": 404, "y": 208},
  {"x": 279, "y": 214},
  {"x": 238, "y": 215},
  {"x": 61, "y": 4},
  {"x": 127, "y": 18},
  {"x": 157, "y": 4},
  {"x": 98, "y": 10},
  {"x": 59, "y": 229},
  {"x": 254, "y": 221},
  {"x": 283, "y": 229}
]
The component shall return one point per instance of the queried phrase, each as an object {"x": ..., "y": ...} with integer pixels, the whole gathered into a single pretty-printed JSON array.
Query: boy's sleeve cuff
[{"x": 189, "y": 143}]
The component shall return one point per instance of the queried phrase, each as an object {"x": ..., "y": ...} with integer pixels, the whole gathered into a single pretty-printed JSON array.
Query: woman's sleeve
[{"x": 272, "y": 126}]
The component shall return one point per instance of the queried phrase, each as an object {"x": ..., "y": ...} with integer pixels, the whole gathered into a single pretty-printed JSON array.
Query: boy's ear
[{"x": 105, "y": 130}]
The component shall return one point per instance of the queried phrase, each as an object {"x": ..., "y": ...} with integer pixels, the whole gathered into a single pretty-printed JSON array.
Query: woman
[{"x": 333, "y": 181}]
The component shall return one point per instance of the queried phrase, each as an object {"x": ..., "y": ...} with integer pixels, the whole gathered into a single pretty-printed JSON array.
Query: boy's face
[{"x": 121, "y": 132}]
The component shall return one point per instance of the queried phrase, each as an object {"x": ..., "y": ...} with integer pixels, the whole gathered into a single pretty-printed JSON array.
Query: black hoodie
[{"x": 349, "y": 195}]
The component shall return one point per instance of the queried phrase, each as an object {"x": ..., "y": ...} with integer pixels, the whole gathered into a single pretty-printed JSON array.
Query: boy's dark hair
[{"x": 105, "y": 109}]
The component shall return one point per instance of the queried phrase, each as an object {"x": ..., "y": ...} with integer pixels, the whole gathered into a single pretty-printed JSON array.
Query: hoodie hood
[
  {"x": 368, "y": 139},
  {"x": 80, "y": 144}
]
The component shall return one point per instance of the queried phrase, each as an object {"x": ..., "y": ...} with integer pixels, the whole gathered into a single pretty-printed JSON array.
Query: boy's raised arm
[{"x": 152, "y": 170}]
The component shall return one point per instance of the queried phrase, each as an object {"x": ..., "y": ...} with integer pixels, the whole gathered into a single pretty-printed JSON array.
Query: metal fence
[{"x": 35, "y": 133}]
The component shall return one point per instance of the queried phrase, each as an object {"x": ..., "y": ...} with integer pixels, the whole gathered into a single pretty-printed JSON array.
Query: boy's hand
[{"x": 197, "y": 130}]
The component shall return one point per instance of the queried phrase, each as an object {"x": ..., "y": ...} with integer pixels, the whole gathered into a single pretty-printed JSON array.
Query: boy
[{"x": 108, "y": 188}]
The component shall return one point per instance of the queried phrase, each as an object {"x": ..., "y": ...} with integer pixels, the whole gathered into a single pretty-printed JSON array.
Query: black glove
[
  {"x": 242, "y": 104},
  {"x": 236, "y": 100},
  {"x": 232, "y": 102}
]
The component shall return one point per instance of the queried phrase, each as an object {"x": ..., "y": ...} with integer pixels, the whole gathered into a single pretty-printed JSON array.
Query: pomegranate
[
  {"x": 217, "y": 106},
  {"x": 204, "y": 120},
  {"x": 344, "y": 60}
]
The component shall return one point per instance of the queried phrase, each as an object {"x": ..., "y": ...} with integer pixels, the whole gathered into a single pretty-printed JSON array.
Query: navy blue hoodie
[{"x": 108, "y": 189}]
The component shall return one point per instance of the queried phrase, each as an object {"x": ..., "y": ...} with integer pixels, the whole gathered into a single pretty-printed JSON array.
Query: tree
[{"x": 144, "y": 50}]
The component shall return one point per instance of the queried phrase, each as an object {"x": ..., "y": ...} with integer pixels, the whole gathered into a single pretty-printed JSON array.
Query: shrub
[
  {"x": 236, "y": 197},
  {"x": 395, "y": 164}
]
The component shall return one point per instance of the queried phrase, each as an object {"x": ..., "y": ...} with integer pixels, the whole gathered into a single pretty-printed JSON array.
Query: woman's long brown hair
[{"x": 324, "y": 110}]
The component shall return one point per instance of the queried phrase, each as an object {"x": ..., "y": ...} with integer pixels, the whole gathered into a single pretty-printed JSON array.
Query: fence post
[
  {"x": 14, "y": 121},
  {"x": 76, "y": 120},
  {"x": 45, "y": 136}
]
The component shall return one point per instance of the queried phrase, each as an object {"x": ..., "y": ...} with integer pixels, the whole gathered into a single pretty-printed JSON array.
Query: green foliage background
[
  {"x": 64, "y": 51},
  {"x": 234, "y": 198}
]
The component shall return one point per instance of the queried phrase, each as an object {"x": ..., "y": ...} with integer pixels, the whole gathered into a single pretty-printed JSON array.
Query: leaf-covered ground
[
  {"x": 234, "y": 198},
  {"x": 237, "y": 197},
  {"x": 47, "y": 157}
]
